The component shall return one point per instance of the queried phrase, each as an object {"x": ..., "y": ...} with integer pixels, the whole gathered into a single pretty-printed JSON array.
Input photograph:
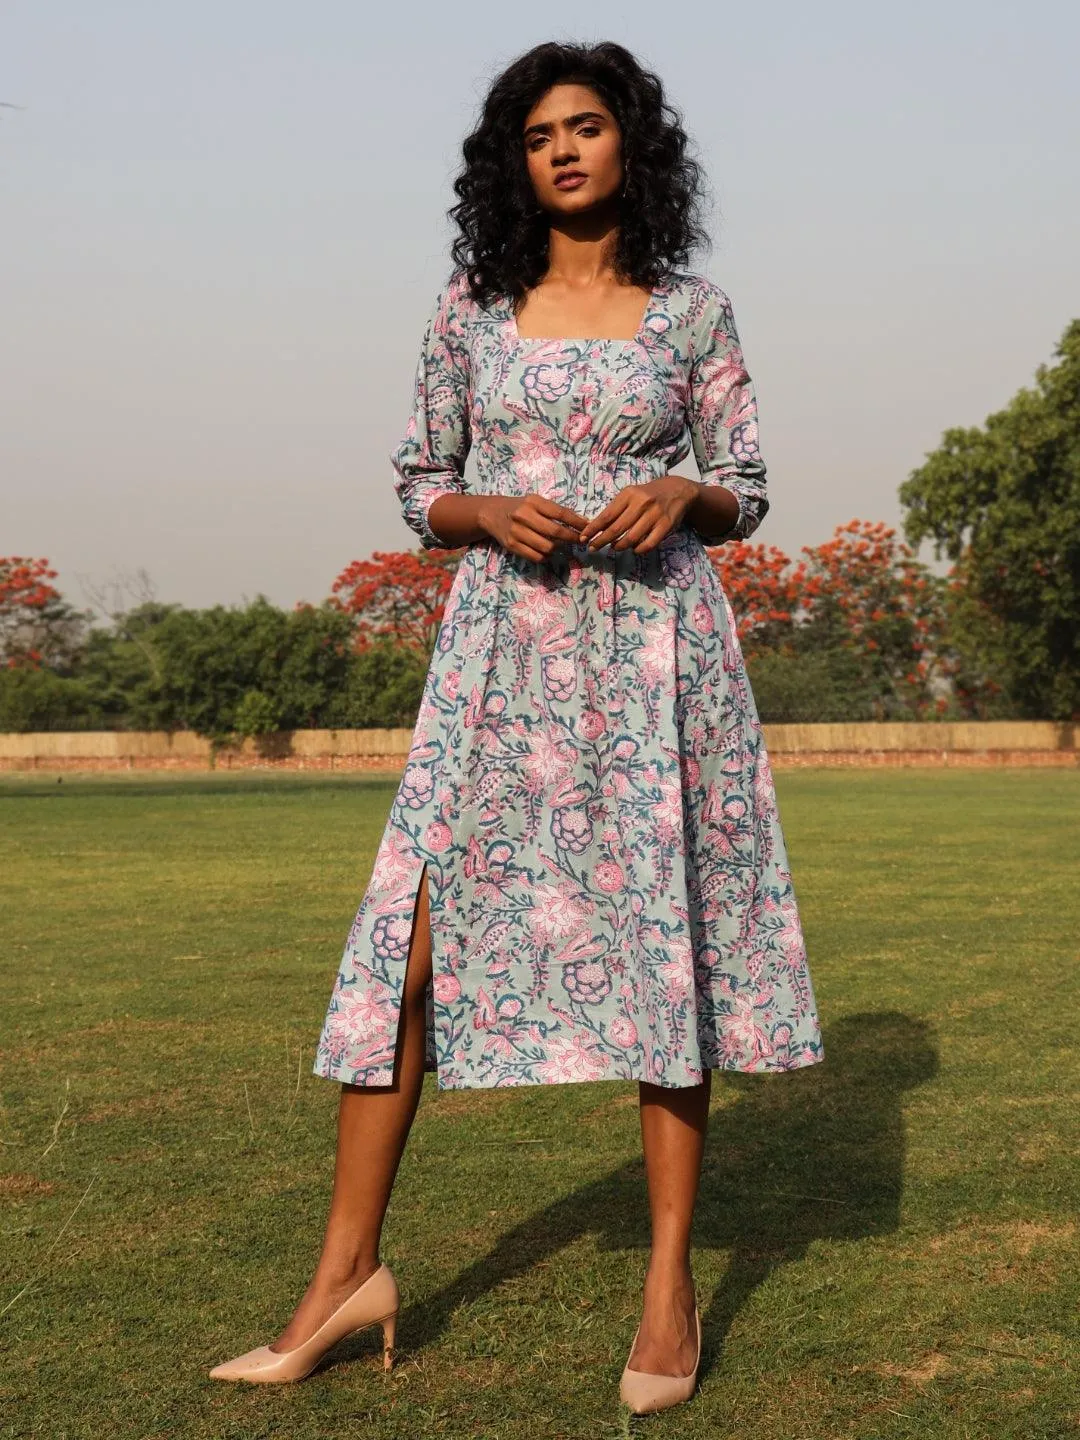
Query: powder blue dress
[{"x": 587, "y": 784}]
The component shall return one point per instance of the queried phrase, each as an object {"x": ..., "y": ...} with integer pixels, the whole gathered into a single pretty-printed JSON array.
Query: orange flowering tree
[
  {"x": 766, "y": 591},
  {"x": 861, "y": 598},
  {"x": 397, "y": 596},
  {"x": 37, "y": 626}
]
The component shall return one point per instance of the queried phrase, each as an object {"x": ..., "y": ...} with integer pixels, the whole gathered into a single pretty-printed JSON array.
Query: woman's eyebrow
[{"x": 576, "y": 119}]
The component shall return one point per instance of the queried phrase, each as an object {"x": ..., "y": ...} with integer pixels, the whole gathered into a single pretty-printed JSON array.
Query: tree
[
  {"x": 397, "y": 595},
  {"x": 37, "y": 625},
  {"x": 852, "y": 631},
  {"x": 765, "y": 588},
  {"x": 1003, "y": 503},
  {"x": 124, "y": 669},
  {"x": 384, "y": 686},
  {"x": 246, "y": 670},
  {"x": 34, "y": 699}
]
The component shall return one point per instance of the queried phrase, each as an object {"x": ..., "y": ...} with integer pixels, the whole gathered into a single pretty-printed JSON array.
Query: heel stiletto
[
  {"x": 645, "y": 1392},
  {"x": 376, "y": 1302}
]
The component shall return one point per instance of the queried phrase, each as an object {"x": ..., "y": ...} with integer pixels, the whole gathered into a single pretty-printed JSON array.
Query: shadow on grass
[{"x": 815, "y": 1154}]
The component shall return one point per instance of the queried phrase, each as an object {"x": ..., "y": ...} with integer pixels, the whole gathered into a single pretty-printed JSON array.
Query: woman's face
[{"x": 570, "y": 132}]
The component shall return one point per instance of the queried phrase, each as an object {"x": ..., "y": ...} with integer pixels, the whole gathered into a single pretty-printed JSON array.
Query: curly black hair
[{"x": 503, "y": 244}]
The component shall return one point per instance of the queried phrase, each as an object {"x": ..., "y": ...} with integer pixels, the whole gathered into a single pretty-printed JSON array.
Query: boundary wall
[{"x": 966, "y": 743}]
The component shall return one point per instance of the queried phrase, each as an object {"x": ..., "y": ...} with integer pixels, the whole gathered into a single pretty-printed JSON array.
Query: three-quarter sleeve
[
  {"x": 722, "y": 414},
  {"x": 430, "y": 460}
]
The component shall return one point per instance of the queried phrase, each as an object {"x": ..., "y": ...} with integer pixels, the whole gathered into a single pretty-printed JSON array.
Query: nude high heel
[
  {"x": 376, "y": 1302},
  {"x": 645, "y": 1392}
]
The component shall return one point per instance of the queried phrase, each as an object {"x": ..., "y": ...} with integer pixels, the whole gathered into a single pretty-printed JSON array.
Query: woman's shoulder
[
  {"x": 454, "y": 313},
  {"x": 458, "y": 309},
  {"x": 699, "y": 310},
  {"x": 693, "y": 294}
]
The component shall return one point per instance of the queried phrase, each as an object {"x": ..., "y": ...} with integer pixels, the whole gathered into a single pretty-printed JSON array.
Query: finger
[
  {"x": 540, "y": 543},
  {"x": 638, "y": 529},
  {"x": 629, "y": 495},
  {"x": 655, "y": 535},
  {"x": 528, "y": 552},
  {"x": 606, "y": 517},
  {"x": 556, "y": 511},
  {"x": 544, "y": 526},
  {"x": 615, "y": 527},
  {"x": 596, "y": 524}
]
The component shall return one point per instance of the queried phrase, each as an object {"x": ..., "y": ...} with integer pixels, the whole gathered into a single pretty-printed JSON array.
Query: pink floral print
[{"x": 587, "y": 784}]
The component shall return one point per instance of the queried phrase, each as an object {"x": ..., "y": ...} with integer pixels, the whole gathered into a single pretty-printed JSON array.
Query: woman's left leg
[{"x": 673, "y": 1127}]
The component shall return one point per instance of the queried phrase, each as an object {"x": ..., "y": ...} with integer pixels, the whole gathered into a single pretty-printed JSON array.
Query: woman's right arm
[{"x": 430, "y": 460}]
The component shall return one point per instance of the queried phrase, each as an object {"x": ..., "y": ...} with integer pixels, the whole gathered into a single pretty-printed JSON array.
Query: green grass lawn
[{"x": 886, "y": 1243}]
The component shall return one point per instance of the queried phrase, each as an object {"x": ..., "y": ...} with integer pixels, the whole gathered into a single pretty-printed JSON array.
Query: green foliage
[
  {"x": 257, "y": 714},
  {"x": 35, "y": 700},
  {"x": 810, "y": 688},
  {"x": 225, "y": 672},
  {"x": 123, "y": 668},
  {"x": 383, "y": 687},
  {"x": 1003, "y": 502}
]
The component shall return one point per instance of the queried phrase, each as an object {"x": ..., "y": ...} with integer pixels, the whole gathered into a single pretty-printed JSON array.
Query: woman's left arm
[
  {"x": 722, "y": 415},
  {"x": 729, "y": 501}
]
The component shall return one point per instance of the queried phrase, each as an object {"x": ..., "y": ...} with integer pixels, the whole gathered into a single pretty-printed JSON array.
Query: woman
[{"x": 586, "y": 793}]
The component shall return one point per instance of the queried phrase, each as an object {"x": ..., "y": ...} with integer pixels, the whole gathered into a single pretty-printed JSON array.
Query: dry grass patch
[
  {"x": 1020, "y": 1252},
  {"x": 15, "y": 1187},
  {"x": 1038, "y": 1147},
  {"x": 979, "y": 1237},
  {"x": 986, "y": 1000},
  {"x": 1026, "y": 1234},
  {"x": 928, "y": 1368}
]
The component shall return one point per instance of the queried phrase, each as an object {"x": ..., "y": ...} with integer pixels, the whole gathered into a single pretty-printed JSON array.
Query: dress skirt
[{"x": 587, "y": 788}]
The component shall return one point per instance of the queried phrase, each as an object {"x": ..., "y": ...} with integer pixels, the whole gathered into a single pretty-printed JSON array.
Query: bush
[
  {"x": 35, "y": 700},
  {"x": 812, "y": 688},
  {"x": 383, "y": 687},
  {"x": 257, "y": 714},
  {"x": 223, "y": 671}
]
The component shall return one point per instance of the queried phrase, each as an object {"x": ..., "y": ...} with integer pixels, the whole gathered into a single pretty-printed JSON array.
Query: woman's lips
[{"x": 570, "y": 182}]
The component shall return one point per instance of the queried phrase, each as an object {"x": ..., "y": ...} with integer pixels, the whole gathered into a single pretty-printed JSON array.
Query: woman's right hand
[{"x": 529, "y": 525}]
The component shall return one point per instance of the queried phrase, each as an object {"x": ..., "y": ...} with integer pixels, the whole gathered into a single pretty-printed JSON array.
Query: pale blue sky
[{"x": 224, "y": 225}]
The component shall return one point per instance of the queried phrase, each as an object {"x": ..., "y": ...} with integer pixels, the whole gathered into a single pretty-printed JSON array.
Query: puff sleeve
[
  {"x": 430, "y": 460},
  {"x": 722, "y": 414}
]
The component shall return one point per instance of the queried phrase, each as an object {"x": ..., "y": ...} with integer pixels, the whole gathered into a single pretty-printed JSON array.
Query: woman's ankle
[
  {"x": 669, "y": 1271},
  {"x": 343, "y": 1263}
]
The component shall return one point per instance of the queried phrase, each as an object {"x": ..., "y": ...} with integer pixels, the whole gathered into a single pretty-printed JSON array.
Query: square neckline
[{"x": 637, "y": 338}]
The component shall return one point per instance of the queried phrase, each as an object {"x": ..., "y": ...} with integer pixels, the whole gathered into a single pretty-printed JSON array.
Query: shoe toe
[
  {"x": 252, "y": 1365},
  {"x": 645, "y": 1393}
]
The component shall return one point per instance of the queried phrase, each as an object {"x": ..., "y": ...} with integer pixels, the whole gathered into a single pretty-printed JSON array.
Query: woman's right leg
[{"x": 373, "y": 1125}]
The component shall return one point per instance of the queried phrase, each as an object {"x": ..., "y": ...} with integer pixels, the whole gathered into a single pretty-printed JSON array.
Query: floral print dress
[{"x": 587, "y": 787}]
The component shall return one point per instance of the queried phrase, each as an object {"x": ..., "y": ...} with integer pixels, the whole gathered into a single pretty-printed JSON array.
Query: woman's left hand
[{"x": 641, "y": 515}]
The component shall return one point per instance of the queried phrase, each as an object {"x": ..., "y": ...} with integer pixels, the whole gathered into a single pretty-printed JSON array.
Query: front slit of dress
[{"x": 405, "y": 978}]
